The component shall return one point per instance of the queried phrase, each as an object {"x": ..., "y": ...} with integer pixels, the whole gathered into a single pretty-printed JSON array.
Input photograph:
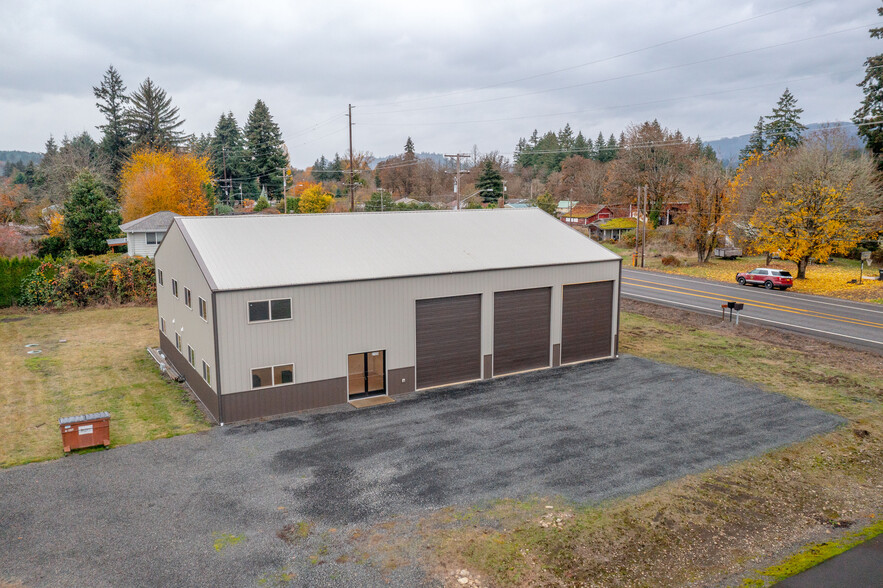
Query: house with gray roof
[
  {"x": 143, "y": 235},
  {"x": 267, "y": 315}
]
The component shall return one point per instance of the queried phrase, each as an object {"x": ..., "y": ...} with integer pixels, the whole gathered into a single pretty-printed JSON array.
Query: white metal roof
[{"x": 244, "y": 252}]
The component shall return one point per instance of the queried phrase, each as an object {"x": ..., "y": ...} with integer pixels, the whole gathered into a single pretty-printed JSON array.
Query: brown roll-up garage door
[
  {"x": 586, "y": 321},
  {"x": 448, "y": 340},
  {"x": 521, "y": 329}
]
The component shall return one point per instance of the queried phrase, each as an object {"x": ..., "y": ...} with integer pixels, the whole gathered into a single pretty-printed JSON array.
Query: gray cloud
[{"x": 450, "y": 75}]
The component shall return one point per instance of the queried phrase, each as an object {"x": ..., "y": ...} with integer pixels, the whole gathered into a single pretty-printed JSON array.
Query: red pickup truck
[{"x": 769, "y": 278}]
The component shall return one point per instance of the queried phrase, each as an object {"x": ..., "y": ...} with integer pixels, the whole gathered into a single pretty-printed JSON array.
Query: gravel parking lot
[{"x": 205, "y": 509}]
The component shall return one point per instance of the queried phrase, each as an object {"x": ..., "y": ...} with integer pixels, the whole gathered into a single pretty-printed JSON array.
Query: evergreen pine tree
[
  {"x": 598, "y": 153},
  {"x": 409, "y": 148},
  {"x": 90, "y": 217},
  {"x": 870, "y": 113},
  {"x": 264, "y": 149},
  {"x": 582, "y": 147},
  {"x": 319, "y": 168},
  {"x": 334, "y": 169},
  {"x": 783, "y": 125},
  {"x": 227, "y": 149},
  {"x": 756, "y": 143},
  {"x": 490, "y": 181},
  {"x": 151, "y": 120},
  {"x": 112, "y": 100}
]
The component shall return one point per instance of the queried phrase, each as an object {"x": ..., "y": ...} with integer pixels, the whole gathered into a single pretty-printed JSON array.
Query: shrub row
[
  {"x": 85, "y": 281},
  {"x": 12, "y": 271}
]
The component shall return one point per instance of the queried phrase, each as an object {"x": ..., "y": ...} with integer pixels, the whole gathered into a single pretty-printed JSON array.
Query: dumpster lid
[{"x": 84, "y": 417}]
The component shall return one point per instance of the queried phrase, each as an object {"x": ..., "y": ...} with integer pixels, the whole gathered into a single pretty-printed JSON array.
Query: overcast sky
[{"x": 449, "y": 74}]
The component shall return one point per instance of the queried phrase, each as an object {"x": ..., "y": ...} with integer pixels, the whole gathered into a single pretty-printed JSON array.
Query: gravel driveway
[{"x": 205, "y": 509}]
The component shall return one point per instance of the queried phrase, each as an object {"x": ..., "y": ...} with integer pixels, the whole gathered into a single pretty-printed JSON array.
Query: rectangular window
[
  {"x": 203, "y": 310},
  {"x": 178, "y": 341},
  {"x": 155, "y": 238},
  {"x": 280, "y": 309},
  {"x": 262, "y": 377},
  {"x": 269, "y": 310},
  {"x": 187, "y": 301},
  {"x": 174, "y": 287},
  {"x": 206, "y": 373},
  {"x": 272, "y": 376},
  {"x": 162, "y": 324},
  {"x": 159, "y": 276},
  {"x": 258, "y": 311},
  {"x": 283, "y": 374},
  {"x": 191, "y": 356}
]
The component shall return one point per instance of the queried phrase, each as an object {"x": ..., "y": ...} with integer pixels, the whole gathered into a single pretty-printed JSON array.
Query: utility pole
[
  {"x": 284, "y": 195},
  {"x": 226, "y": 188},
  {"x": 457, "y": 181},
  {"x": 644, "y": 233},
  {"x": 637, "y": 226},
  {"x": 352, "y": 169}
]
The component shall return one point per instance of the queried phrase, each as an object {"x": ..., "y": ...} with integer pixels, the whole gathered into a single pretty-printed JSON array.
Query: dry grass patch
[{"x": 102, "y": 365}]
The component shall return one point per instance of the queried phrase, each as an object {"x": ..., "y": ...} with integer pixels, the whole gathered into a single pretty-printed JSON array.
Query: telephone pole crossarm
[{"x": 457, "y": 156}]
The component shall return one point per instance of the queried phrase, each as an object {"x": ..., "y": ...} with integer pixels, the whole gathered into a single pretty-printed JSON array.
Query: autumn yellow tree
[
  {"x": 315, "y": 199},
  {"x": 818, "y": 203},
  {"x": 165, "y": 180},
  {"x": 707, "y": 192}
]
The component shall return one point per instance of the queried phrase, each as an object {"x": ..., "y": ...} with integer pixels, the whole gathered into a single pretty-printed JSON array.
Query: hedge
[{"x": 13, "y": 271}]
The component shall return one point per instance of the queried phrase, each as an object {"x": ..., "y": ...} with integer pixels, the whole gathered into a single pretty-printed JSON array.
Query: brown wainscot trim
[
  {"x": 488, "y": 366},
  {"x": 194, "y": 379},
  {"x": 265, "y": 402},
  {"x": 556, "y": 354},
  {"x": 400, "y": 380}
]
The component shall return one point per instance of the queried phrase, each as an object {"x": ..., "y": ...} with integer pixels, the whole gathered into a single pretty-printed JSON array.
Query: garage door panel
[
  {"x": 522, "y": 329},
  {"x": 586, "y": 321},
  {"x": 448, "y": 340}
]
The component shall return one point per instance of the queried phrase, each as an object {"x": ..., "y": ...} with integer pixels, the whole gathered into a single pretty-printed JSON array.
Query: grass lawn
[
  {"x": 102, "y": 365},
  {"x": 743, "y": 524},
  {"x": 830, "y": 279}
]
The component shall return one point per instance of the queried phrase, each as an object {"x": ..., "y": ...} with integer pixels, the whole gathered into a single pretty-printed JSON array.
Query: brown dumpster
[{"x": 85, "y": 430}]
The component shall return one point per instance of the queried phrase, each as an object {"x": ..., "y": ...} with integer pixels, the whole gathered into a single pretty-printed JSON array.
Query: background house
[{"x": 143, "y": 235}]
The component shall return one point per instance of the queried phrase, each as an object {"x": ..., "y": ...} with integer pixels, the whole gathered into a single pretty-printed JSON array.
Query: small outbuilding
[
  {"x": 143, "y": 235},
  {"x": 266, "y": 315}
]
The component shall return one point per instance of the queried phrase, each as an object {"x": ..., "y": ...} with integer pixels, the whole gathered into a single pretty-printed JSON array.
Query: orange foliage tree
[{"x": 164, "y": 180}]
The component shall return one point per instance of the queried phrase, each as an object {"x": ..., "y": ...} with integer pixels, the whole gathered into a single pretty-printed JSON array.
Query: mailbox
[
  {"x": 731, "y": 305},
  {"x": 737, "y": 306},
  {"x": 85, "y": 430}
]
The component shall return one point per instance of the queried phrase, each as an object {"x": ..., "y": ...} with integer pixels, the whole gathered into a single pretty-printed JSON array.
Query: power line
[{"x": 597, "y": 61}]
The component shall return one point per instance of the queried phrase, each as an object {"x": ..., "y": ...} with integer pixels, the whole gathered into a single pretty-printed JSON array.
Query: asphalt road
[
  {"x": 853, "y": 323},
  {"x": 205, "y": 509},
  {"x": 860, "y": 567}
]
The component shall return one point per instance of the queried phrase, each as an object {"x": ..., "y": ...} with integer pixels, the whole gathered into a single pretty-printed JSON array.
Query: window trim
[
  {"x": 159, "y": 277},
  {"x": 178, "y": 342},
  {"x": 156, "y": 239},
  {"x": 191, "y": 356},
  {"x": 188, "y": 298},
  {"x": 162, "y": 325},
  {"x": 175, "y": 288},
  {"x": 206, "y": 373},
  {"x": 203, "y": 308},
  {"x": 269, "y": 310},
  {"x": 272, "y": 369}
]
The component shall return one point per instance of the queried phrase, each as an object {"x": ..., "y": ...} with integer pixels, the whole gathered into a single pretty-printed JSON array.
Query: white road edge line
[
  {"x": 790, "y": 295},
  {"x": 754, "y": 318}
]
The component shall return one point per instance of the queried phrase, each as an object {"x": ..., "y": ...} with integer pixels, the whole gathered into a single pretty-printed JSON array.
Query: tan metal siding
[
  {"x": 331, "y": 321},
  {"x": 177, "y": 263}
]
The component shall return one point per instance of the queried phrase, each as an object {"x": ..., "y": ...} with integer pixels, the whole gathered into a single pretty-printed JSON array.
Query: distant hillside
[
  {"x": 435, "y": 157},
  {"x": 728, "y": 148},
  {"x": 15, "y": 156}
]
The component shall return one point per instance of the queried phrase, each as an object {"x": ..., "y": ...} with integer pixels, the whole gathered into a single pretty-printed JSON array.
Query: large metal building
[{"x": 266, "y": 315}]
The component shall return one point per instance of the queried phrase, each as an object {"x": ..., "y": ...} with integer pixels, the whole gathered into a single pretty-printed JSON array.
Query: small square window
[
  {"x": 175, "y": 288},
  {"x": 203, "y": 310},
  {"x": 159, "y": 276},
  {"x": 261, "y": 377},
  {"x": 178, "y": 341},
  {"x": 191, "y": 356},
  {"x": 187, "y": 301},
  {"x": 206, "y": 373},
  {"x": 280, "y": 309},
  {"x": 154, "y": 238},
  {"x": 162, "y": 324},
  {"x": 283, "y": 374},
  {"x": 258, "y": 311}
]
